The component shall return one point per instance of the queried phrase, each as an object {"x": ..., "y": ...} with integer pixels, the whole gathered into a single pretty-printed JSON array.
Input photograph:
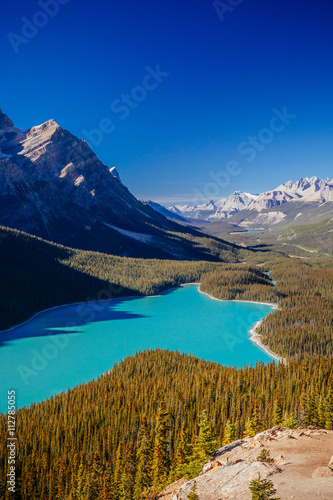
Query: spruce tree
[
  {"x": 262, "y": 489},
  {"x": 106, "y": 489},
  {"x": 277, "y": 410},
  {"x": 81, "y": 481},
  {"x": 250, "y": 427},
  {"x": 289, "y": 420},
  {"x": 206, "y": 442},
  {"x": 182, "y": 456},
  {"x": 229, "y": 434},
  {"x": 329, "y": 410},
  {"x": 118, "y": 469},
  {"x": 193, "y": 495},
  {"x": 160, "y": 463},
  {"x": 143, "y": 477},
  {"x": 321, "y": 412},
  {"x": 204, "y": 446}
]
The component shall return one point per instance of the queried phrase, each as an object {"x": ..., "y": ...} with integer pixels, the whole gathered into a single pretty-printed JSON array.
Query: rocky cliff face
[
  {"x": 52, "y": 185},
  {"x": 301, "y": 469}
]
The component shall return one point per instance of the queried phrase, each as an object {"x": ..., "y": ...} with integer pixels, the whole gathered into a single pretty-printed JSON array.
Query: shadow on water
[
  {"x": 73, "y": 317},
  {"x": 43, "y": 279}
]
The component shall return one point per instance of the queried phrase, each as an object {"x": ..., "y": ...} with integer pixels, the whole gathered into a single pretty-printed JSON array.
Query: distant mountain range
[
  {"x": 252, "y": 209},
  {"x": 164, "y": 211},
  {"x": 52, "y": 185}
]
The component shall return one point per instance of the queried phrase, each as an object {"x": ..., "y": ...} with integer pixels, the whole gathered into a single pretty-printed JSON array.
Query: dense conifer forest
[
  {"x": 154, "y": 418},
  {"x": 56, "y": 275},
  {"x": 302, "y": 327},
  {"x": 160, "y": 415}
]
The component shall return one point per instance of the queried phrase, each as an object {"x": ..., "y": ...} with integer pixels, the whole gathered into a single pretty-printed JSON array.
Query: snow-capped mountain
[
  {"x": 307, "y": 189},
  {"x": 304, "y": 189},
  {"x": 307, "y": 200},
  {"x": 216, "y": 210},
  {"x": 197, "y": 212},
  {"x": 234, "y": 203}
]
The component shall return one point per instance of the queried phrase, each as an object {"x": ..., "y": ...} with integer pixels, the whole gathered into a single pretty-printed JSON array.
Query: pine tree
[
  {"x": 81, "y": 481},
  {"x": 32, "y": 483},
  {"x": 118, "y": 468},
  {"x": 257, "y": 421},
  {"x": 204, "y": 447},
  {"x": 250, "y": 427},
  {"x": 131, "y": 469},
  {"x": 124, "y": 492},
  {"x": 229, "y": 434},
  {"x": 206, "y": 442},
  {"x": 106, "y": 490},
  {"x": 262, "y": 489},
  {"x": 61, "y": 482},
  {"x": 160, "y": 463},
  {"x": 182, "y": 456},
  {"x": 329, "y": 410},
  {"x": 290, "y": 421},
  {"x": 265, "y": 456},
  {"x": 143, "y": 477},
  {"x": 193, "y": 495},
  {"x": 321, "y": 412},
  {"x": 277, "y": 410}
]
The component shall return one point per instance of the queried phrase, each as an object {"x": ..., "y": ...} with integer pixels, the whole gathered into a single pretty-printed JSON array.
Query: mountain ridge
[
  {"x": 52, "y": 185},
  {"x": 304, "y": 189}
]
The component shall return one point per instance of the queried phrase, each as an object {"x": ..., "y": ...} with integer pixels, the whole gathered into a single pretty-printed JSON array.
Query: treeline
[
  {"x": 143, "y": 424},
  {"x": 239, "y": 283},
  {"x": 303, "y": 325},
  {"x": 36, "y": 275}
]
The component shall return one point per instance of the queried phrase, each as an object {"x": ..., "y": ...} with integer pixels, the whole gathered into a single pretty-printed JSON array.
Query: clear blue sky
[{"x": 225, "y": 78}]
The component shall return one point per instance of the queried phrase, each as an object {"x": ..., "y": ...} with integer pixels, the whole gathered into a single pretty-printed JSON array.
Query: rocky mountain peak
[{"x": 5, "y": 122}]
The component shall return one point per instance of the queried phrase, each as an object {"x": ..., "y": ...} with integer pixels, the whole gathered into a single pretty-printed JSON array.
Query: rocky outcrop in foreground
[{"x": 301, "y": 469}]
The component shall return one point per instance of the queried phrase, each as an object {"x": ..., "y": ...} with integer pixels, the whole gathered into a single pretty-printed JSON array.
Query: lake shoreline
[
  {"x": 257, "y": 339},
  {"x": 254, "y": 335}
]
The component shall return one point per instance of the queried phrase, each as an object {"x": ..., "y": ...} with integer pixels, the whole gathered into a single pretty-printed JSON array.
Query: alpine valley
[{"x": 139, "y": 388}]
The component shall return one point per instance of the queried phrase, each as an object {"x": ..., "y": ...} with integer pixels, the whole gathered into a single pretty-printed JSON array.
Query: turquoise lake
[{"x": 68, "y": 345}]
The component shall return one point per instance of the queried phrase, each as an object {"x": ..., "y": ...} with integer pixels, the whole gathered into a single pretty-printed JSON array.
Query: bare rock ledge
[{"x": 302, "y": 468}]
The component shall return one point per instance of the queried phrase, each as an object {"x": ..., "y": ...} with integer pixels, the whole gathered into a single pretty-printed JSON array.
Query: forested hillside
[
  {"x": 302, "y": 327},
  {"x": 36, "y": 275},
  {"x": 160, "y": 415},
  {"x": 135, "y": 429}
]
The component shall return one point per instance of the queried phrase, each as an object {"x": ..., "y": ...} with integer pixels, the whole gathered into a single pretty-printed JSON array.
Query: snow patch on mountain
[
  {"x": 144, "y": 238},
  {"x": 198, "y": 212},
  {"x": 115, "y": 173}
]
